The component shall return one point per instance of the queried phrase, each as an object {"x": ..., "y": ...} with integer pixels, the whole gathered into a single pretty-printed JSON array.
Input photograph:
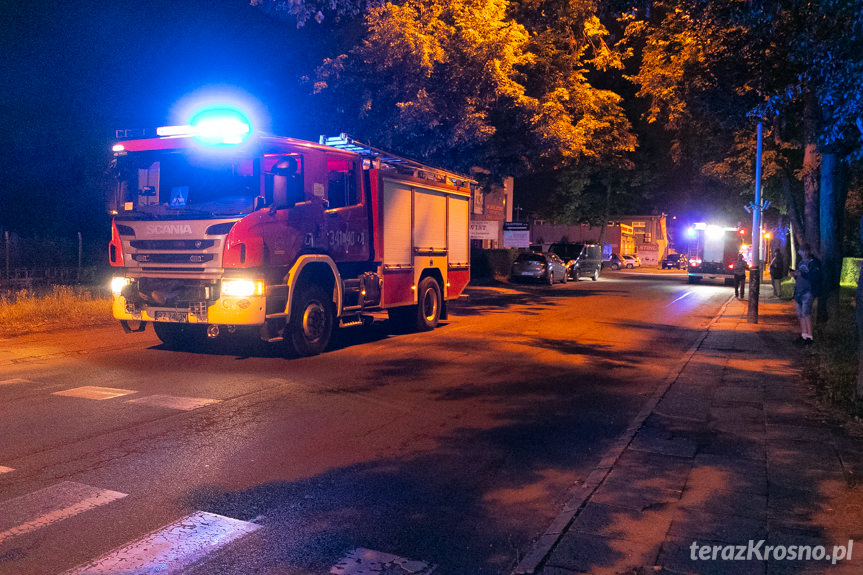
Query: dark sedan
[{"x": 675, "y": 261}]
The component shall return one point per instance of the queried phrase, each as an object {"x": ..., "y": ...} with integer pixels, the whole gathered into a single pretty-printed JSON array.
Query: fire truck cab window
[
  {"x": 173, "y": 183},
  {"x": 284, "y": 180},
  {"x": 341, "y": 183}
]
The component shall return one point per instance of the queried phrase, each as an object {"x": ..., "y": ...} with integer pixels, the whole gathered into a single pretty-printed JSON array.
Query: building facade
[{"x": 644, "y": 236}]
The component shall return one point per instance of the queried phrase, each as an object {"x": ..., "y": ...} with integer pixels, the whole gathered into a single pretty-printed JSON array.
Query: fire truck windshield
[{"x": 181, "y": 185}]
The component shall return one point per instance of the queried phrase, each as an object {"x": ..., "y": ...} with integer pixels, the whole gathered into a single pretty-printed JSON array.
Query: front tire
[
  {"x": 311, "y": 325},
  {"x": 595, "y": 276}
]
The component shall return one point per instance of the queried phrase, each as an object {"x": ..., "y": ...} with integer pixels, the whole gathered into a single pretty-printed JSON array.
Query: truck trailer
[{"x": 217, "y": 228}]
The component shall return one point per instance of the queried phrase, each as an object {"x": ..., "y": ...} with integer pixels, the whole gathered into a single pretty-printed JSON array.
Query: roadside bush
[
  {"x": 832, "y": 365},
  {"x": 850, "y": 271},
  {"x": 487, "y": 265},
  {"x": 26, "y": 311}
]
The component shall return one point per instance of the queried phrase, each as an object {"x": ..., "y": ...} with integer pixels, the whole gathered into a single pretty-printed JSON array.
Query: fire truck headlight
[
  {"x": 242, "y": 287},
  {"x": 118, "y": 283}
]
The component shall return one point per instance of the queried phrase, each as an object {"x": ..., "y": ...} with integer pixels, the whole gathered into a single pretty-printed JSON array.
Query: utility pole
[
  {"x": 80, "y": 244},
  {"x": 755, "y": 272}
]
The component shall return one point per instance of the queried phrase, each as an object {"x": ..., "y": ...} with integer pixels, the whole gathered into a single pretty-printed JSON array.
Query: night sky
[{"x": 71, "y": 73}]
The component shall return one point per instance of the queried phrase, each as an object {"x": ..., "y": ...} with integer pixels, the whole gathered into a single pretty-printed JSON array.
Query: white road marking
[
  {"x": 50, "y": 505},
  {"x": 6, "y": 469},
  {"x": 170, "y": 550},
  {"x": 680, "y": 298},
  {"x": 362, "y": 561},
  {"x": 95, "y": 392},
  {"x": 174, "y": 402},
  {"x": 13, "y": 381}
]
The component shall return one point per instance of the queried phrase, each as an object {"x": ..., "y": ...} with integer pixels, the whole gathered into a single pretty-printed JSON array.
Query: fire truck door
[{"x": 346, "y": 219}]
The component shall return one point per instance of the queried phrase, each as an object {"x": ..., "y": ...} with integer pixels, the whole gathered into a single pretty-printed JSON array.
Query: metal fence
[
  {"x": 34, "y": 262},
  {"x": 32, "y": 278}
]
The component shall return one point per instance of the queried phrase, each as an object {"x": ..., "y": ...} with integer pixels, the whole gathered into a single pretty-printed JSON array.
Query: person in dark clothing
[
  {"x": 777, "y": 272},
  {"x": 807, "y": 282},
  {"x": 740, "y": 267}
]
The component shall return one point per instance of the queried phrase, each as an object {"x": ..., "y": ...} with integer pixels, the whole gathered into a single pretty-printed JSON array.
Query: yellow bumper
[{"x": 225, "y": 311}]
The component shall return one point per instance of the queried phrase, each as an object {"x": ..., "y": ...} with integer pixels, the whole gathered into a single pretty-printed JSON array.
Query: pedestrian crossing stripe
[
  {"x": 42, "y": 508},
  {"x": 363, "y": 561},
  {"x": 13, "y": 381},
  {"x": 95, "y": 392},
  {"x": 173, "y": 402},
  {"x": 172, "y": 549}
]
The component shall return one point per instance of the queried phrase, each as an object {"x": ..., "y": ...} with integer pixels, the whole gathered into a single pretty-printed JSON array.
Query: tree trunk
[
  {"x": 831, "y": 258},
  {"x": 606, "y": 212},
  {"x": 791, "y": 206},
  {"x": 792, "y": 203},
  {"x": 811, "y": 161}
]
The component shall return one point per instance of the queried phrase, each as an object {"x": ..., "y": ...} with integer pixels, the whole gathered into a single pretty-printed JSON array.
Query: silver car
[{"x": 546, "y": 267}]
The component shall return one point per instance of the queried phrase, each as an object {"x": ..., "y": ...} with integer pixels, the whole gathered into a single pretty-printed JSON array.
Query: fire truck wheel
[
  {"x": 180, "y": 335},
  {"x": 311, "y": 321},
  {"x": 428, "y": 304}
]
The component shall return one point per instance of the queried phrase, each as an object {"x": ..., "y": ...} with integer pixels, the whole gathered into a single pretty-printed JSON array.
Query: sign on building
[
  {"x": 516, "y": 235},
  {"x": 483, "y": 230}
]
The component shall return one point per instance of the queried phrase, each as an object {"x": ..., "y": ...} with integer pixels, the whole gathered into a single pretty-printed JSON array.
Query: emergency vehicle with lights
[
  {"x": 713, "y": 251},
  {"x": 217, "y": 228}
]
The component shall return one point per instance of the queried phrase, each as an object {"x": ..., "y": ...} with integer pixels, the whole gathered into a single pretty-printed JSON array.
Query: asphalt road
[{"x": 453, "y": 449}]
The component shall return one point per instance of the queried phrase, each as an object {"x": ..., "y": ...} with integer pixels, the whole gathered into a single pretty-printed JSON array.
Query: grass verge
[
  {"x": 832, "y": 366},
  {"x": 60, "y": 307}
]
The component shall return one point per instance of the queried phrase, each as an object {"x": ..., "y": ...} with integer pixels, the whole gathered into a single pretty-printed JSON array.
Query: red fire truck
[
  {"x": 217, "y": 228},
  {"x": 713, "y": 251}
]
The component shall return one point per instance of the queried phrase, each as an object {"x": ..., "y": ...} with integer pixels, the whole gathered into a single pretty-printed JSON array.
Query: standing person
[
  {"x": 777, "y": 272},
  {"x": 807, "y": 280},
  {"x": 740, "y": 267}
]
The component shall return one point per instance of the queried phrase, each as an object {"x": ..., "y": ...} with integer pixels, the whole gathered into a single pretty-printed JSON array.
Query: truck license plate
[{"x": 178, "y": 316}]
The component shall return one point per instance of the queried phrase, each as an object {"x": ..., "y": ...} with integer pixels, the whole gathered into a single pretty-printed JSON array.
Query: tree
[
  {"x": 795, "y": 64},
  {"x": 465, "y": 84}
]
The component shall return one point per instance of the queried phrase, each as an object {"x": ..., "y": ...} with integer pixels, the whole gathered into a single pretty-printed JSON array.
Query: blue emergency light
[{"x": 213, "y": 127}]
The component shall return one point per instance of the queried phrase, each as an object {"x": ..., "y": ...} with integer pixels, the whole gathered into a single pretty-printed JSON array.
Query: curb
[{"x": 546, "y": 543}]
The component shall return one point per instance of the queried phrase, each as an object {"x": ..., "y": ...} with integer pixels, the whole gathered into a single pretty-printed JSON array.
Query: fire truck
[
  {"x": 218, "y": 228},
  {"x": 713, "y": 251}
]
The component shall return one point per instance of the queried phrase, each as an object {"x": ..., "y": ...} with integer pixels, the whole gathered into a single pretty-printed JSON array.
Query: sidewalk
[{"x": 734, "y": 452}]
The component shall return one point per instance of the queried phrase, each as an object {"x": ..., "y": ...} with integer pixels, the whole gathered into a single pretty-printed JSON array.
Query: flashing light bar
[
  {"x": 213, "y": 127},
  {"x": 175, "y": 130}
]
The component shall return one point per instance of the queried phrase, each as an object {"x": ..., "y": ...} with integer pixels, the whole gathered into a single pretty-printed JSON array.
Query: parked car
[
  {"x": 545, "y": 267},
  {"x": 614, "y": 262},
  {"x": 675, "y": 261},
  {"x": 582, "y": 260},
  {"x": 631, "y": 261}
]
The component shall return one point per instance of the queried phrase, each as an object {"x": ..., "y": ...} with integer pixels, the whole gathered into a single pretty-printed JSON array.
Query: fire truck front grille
[
  {"x": 172, "y": 244},
  {"x": 173, "y": 258}
]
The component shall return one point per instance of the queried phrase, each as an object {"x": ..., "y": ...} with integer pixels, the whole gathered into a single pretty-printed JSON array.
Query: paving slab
[{"x": 597, "y": 555}]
